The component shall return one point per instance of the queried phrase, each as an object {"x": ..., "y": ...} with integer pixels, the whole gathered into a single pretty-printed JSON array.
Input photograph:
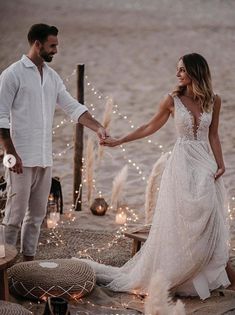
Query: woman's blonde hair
[{"x": 198, "y": 70}]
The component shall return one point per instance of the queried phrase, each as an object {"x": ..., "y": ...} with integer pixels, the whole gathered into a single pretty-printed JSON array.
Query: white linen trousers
[{"x": 26, "y": 206}]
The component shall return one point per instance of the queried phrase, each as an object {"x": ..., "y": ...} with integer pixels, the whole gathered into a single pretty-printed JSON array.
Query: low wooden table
[
  {"x": 5, "y": 263},
  {"x": 139, "y": 236}
]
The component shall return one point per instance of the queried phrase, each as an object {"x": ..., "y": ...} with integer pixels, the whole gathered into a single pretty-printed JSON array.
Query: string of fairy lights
[
  {"x": 126, "y": 305},
  {"x": 116, "y": 111},
  {"x": 55, "y": 236},
  {"x": 100, "y": 96}
]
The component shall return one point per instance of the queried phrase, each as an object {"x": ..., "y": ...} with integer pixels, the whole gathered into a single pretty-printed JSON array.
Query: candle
[
  {"x": 50, "y": 223},
  {"x": 2, "y": 241},
  {"x": 51, "y": 198},
  {"x": 68, "y": 214},
  {"x": 121, "y": 217},
  {"x": 100, "y": 209},
  {"x": 52, "y": 207},
  {"x": 55, "y": 216}
]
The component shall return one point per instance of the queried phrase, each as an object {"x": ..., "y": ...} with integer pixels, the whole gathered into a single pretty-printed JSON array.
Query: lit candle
[
  {"x": 100, "y": 209},
  {"x": 68, "y": 214},
  {"x": 121, "y": 217},
  {"x": 55, "y": 216},
  {"x": 51, "y": 197},
  {"x": 2, "y": 241},
  {"x": 50, "y": 223}
]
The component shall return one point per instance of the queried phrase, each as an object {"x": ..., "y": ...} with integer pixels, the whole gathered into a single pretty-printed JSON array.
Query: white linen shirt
[{"x": 27, "y": 106}]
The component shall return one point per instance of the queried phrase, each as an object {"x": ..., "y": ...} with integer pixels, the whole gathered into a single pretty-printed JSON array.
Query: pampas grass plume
[
  {"x": 151, "y": 189},
  {"x": 118, "y": 185},
  {"x": 158, "y": 301},
  {"x": 107, "y": 117},
  {"x": 179, "y": 308}
]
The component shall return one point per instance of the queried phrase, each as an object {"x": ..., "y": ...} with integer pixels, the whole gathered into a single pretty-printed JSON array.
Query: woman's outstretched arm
[{"x": 160, "y": 118}]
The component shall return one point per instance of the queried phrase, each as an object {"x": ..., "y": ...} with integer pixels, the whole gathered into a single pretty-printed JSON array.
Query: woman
[{"x": 188, "y": 240}]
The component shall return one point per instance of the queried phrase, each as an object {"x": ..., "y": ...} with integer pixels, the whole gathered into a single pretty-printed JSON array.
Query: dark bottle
[{"x": 56, "y": 306}]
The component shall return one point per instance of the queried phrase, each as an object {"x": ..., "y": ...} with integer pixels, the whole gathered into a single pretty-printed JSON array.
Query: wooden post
[{"x": 78, "y": 143}]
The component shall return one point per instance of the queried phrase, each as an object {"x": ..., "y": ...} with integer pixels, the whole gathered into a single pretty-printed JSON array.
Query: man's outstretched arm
[{"x": 87, "y": 120}]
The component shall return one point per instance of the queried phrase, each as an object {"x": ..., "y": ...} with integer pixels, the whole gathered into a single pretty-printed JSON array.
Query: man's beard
[{"x": 45, "y": 56}]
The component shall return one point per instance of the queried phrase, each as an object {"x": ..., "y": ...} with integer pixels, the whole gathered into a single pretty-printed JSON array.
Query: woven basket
[
  {"x": 7, "y": 308},
  {"x": 36, "y": 280}
]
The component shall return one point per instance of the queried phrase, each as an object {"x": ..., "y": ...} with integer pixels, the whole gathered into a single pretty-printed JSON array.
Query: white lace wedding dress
[{"x": 189, "y": 237}]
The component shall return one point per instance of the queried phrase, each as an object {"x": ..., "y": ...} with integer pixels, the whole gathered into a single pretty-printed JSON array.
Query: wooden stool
[
  {"x": 139, "y": 236},
  {"x": 5, "y": 263}
]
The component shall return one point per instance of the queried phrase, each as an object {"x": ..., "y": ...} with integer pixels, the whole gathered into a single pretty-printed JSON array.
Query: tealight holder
[{"x": 99, "y": 206}]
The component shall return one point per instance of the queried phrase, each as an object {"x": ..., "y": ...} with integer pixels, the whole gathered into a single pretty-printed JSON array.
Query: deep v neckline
[{"x": 196, "y": 123}]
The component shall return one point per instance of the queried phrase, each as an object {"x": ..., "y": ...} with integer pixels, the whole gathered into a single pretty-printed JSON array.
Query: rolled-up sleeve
[
  {"x": 69, "y": 104},
  {"x": 8, "y": 90}
]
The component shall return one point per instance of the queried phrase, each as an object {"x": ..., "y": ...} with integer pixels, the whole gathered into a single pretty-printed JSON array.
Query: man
[{"x": 29, "y": 92}]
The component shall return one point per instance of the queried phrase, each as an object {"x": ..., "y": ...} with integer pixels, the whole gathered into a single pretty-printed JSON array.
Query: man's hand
[
  {"x": 18, "y": 167},
  {"x": 6, "y": 141},
  {"x": 102, "y": 133},
  {"x": 87, "y": 120}
]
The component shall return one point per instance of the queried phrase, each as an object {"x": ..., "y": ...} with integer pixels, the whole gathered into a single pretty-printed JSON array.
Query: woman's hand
[
  {"x": 220, "y": 171},
  {"x": 110, "y": 142}
]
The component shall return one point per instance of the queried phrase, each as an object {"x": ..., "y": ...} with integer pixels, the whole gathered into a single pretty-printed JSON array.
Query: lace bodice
[{"x": 184, "y": 123}]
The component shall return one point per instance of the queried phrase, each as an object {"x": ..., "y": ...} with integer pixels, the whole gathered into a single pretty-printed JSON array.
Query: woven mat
[{"x": 75, "y": 240}]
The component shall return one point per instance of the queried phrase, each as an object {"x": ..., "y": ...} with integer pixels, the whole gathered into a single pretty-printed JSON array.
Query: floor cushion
[
  {"x": 36, "y": 280},
  {"x": 8, "y": 308}
]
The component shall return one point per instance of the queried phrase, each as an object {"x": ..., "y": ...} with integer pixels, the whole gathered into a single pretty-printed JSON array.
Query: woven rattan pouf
[
  {"x": 7, "y": 308},
  {"x": 36, "y": 280}
]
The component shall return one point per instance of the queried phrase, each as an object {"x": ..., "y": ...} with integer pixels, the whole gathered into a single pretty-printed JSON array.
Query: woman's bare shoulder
[{"x": 168, "y": 102}]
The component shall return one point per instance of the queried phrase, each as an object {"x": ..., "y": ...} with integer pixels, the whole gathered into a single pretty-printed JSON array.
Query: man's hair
[{"x": 41, "y": 32}]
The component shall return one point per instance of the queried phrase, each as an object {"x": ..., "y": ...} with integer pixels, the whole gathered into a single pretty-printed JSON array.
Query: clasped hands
[{"x": 106, "y": 139}]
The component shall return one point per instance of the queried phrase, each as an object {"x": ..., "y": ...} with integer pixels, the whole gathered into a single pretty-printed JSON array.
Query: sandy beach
[{"x": 130, "y": 49}]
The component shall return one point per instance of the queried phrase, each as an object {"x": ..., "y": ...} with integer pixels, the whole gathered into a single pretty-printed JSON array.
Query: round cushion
[
  {"x": 36, "y": 280},
  {"x": 7, "y": 308}
]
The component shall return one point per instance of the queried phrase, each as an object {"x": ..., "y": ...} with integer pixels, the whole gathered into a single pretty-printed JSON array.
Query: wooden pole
[{"x": 78, "y": 144}]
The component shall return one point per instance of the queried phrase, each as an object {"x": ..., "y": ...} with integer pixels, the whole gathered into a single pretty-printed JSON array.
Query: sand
[{"x": 130, "y": 50}]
